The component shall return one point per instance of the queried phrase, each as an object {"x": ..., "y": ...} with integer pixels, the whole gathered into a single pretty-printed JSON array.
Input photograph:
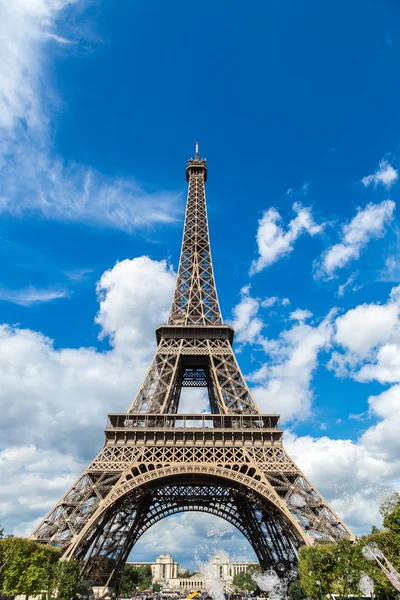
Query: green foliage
[
  {"x": 135, "y": 577},
  {"x": 316, "y": 570},
  {"x": 29, "y": 568},
  {"x": 336, "y": 569},
  {"x": 296, "y": 591},
  {"x": 243, "y": 582},
  {"x": 156, "y": 587},
  {"x": 184, "y": 575},
  {"x": 68, "y": 577},
  {"x": 392, "y": 520}
]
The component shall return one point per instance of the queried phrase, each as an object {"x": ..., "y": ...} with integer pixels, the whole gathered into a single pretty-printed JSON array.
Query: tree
[
  {"x": 67, "y": 578},
  {"x": 185, "y": 574},
  {"x": 28, "y": 567},
  {"x": 129, "y": 579},
  {"x": 337, "y": 569},
  {"x": 243, "y": 582},
  {"x": 316, "y": 566},
  {"x": 392, "y": 520},
  {"x": 135, "y": 577},
  {"x": 156, "y": 587},
  {"x": 296, "y": 591}
]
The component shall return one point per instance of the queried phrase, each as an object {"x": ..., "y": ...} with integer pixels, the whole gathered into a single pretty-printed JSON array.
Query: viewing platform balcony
[{"x": 189, "y": 429}]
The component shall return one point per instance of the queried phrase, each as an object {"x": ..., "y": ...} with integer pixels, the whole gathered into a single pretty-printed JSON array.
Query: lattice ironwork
[
  {"x": 195, "y": 299},
  {"x": 227, "y": 388},
  {"x": 156, "y": 462}
]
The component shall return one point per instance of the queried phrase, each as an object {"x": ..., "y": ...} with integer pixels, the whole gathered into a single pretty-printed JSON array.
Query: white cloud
[
  {"x": 193, "y": 401},
  {"x": 385, "y": 175},
  {"x": 284, "y": 382},
  {"x": 368, "y": 325},
  {"x": 189, "y": 539},
  {"x": 23, "y": 27},
  {"x": 355, "y": 475},
  {"x": 352, "y": 476},
  {"x": 32, "y": 481},
  {"x": 289, "y": 362},
  {"x": 274, "y": 242},
  {"x": 369, "y": 223},
  {"x": 300, "y": 315},
  {"x": 54, "y": 402},
  {"x": 149, "y": 286},
  {"x": 60, "y": 397},
  {"x": 384, "y": 366},
  {"x": 350, "y": 280},
  {"x": 370, "y": 338},
  {"x": 76, "y": 193},
  {"x": 78, "y": 274},
  {"x": 268, "y": 302},
  {"x": 32, "y": 179},
  {"x": 246, "y": 323},
  {"x": 32, "y": 295}
]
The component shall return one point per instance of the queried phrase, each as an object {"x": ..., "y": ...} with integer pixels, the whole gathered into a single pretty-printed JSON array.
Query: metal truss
[
  {"x": 170, "y": 370},
  {"x": 195, "y": 299},
  {"x": 156, "y": 462},
  {"x": 138, "y": 513}
]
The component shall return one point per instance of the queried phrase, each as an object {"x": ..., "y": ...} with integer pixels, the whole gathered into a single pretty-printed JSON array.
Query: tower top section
[
  {"x": 195, "y": 299},
  {"x": 196, "y": 165}
]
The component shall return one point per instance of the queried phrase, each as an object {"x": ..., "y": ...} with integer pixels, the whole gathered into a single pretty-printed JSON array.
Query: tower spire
[{"x": 195, "y": 300}]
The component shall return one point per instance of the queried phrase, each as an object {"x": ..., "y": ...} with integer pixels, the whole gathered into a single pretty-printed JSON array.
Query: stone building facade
[
  {"x": 165, "y": 572},
  {"x": 162, "y": 570}
]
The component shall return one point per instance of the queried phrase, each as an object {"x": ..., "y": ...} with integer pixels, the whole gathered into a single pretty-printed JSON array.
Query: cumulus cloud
[
  {"x": 369, "y": 223},
  {"x": 288, "y": 362},
  {"x": 352, "y": 476},
  {"x": 246, "y": 323},
  {"x": 356, "y": 475},
  {"x": 385, "y": 175},
  {"x": 274, "y": 241},
  {"x": 59, "y": 398},
  {"x": 369, "y": 336},
  {"x": 192, "y": 538},
  {"x": 284, "y": 381},
  {"x": 368, "y": 325},
  {"x": 149, "y": 286},
  {"x": 54, "y": 402},
  {"x": 49, "y": 187},
  {"x": 383, "y": 439},
  {"x": 32, "y": 481}
]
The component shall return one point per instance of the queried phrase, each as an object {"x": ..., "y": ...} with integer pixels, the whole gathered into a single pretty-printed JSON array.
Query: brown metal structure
[{"x": 156, "y": 462}]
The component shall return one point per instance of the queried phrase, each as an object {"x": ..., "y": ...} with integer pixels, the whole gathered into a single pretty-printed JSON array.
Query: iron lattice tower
[{"x": 156, "y": 462}]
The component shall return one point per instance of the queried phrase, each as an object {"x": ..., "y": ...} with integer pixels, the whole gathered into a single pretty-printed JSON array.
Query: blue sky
[{"x": 295, "y": 106}]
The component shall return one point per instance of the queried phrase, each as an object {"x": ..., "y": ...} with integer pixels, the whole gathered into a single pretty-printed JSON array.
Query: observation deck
[
  {"x": 193, "y": 430},
  {"x": 195, "y": 332}
]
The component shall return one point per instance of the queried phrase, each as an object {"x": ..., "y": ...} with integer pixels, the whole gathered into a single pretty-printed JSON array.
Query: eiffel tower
[{"x": 156, "y": 462}]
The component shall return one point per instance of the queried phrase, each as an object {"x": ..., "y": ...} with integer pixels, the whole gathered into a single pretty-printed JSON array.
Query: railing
[{"x": 204, "y": 421}]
